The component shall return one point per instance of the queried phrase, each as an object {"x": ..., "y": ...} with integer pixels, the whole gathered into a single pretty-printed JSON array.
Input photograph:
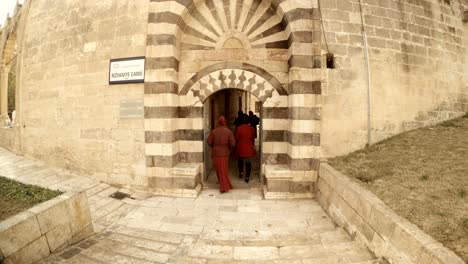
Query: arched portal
[
  {"x": 221, "y": 84},
  {"x": 195, "y": 48}
]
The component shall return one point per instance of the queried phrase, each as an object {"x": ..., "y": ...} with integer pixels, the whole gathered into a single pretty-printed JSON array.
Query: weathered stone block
[
  {"x": 185, "y": 182},
  {"x": 300, "y": 186},
  {"x": 58, "y": 236},
  {"x": 160, "y": 182},
  {"x": 322, "y": 200},
  {"x": 80, "y": 215},
  {"x": 30, "y": 253},
  {"x": 357, "y": 202},
  {"x": 381, "y": 222},
  {"x": 186, "y": 175},
  {"x": 18, "y": 231},
  {"x": 323, "y": 188},
  {"x": 336, "y": 215},
  {"x": 326, "y": 174},
  {"x": 363, "y": 227},
  {"x": 279, "y": 185},
  {"x": 378, "y": 245},
  {"x": 51, "y": 213},
  {"x": 404, "y": 241}
]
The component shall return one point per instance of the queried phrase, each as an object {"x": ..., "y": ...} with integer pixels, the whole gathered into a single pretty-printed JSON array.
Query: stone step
[
  {"x": 343, "y": 252},
  {"x": 159, "y": 236},
  {"x": 133, "y": 251},
  {"x": 264, "y": 238},
  {"x": 352, "y": 250}
]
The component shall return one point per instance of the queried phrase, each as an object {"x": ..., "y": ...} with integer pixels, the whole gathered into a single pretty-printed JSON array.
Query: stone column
[{"x": 4, "y": 91}]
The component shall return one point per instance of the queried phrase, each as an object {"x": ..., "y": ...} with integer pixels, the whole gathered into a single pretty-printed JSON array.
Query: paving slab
[{"x": 238, "y": 227}]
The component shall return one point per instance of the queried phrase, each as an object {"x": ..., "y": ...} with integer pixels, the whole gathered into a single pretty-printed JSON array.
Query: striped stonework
[{"x": 270, "y": 48}]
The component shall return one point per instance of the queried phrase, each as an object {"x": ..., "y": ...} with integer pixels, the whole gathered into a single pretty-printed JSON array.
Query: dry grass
[
  {"x": 423, "y": 176},
  {"x": 16, "y": 197}
]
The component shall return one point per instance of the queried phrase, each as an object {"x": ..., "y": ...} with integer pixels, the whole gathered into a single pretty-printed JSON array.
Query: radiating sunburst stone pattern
[{"x": 233, "y": 24}]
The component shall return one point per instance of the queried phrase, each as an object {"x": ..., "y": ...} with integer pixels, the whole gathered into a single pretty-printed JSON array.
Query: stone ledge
[
  {"x": 186, "y": 193},
  {"x": 286, "y": 195},
  {"x": 362, "y": 214},
  {"x": 45, "y": 228},
  {"x": 182, "y": 181},
  {"x": 283, "y": 183}
]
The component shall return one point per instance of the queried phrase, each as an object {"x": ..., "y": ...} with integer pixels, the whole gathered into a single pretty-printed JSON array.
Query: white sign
[{"x": 127, "y": 70}]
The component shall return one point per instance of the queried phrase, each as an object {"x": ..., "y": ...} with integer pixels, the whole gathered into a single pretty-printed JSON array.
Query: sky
[{"x": 7, "y": 6}]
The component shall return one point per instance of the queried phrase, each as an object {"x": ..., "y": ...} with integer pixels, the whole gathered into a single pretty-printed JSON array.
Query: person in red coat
[
  {"x": 222, "y": 142},
  {"x": 245, "y": 138}
]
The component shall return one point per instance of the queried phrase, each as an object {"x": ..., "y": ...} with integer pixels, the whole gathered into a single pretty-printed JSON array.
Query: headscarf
[{"x": 222, "y": 121}]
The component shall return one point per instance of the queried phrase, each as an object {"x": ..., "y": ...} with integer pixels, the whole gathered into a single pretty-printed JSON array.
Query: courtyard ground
[
  {"x": 238, "y": 227},
  {"x": 423, "y": 176}
]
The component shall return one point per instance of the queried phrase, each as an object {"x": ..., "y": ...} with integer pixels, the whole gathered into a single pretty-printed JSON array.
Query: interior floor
[{"x": 254, "y": 182}]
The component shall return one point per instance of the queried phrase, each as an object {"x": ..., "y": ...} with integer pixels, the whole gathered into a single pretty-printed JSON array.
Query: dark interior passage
[{"x": 228, "y": 102}]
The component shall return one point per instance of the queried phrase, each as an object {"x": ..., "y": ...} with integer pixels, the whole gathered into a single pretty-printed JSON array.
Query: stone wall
[
  {"x": 368, "y": 219},
  {"x": 70, "y": 116},
  {"x": 417, "y": 68},
  {"x": 9, "y": 138},
  {"x": 45, "y": 228},
  {"x": 132, "y": 134}
]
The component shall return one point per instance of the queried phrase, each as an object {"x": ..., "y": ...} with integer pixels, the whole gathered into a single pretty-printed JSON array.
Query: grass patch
[
  {"x": 462, "y": 193},
  {"x": 421, "y": 175},
  {"x": 16, "y": 197},
  {"x": 465, "y": 224},
  {"x": 424, "y": 178},
  {"x": 450, "y": 123}
]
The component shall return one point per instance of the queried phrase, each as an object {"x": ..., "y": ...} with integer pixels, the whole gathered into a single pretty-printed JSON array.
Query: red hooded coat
[{"x": 245, "y": 137}]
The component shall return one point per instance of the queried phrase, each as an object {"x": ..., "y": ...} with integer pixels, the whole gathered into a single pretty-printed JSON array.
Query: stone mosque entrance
[{"x": 228, "y": 102}]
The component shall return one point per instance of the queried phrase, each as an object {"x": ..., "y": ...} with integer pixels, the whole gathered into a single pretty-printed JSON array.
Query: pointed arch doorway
[{"x": 228, "y": 102}]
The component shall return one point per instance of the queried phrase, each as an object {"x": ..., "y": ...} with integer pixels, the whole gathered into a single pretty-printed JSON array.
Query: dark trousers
[{"x": 248, "y": 166}]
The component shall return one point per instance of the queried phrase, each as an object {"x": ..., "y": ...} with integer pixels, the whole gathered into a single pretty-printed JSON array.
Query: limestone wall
[
  {"x": 70, "y": 116},
  {"x": 418, "y": 62}
]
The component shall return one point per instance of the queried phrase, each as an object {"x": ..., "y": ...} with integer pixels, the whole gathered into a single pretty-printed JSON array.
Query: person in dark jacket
[
  {"x": 245, "y": 148},
  {"x": 222, "y": 142},
  {"x": 238, "y": 120},
  {"x": 254, "y": 121}
]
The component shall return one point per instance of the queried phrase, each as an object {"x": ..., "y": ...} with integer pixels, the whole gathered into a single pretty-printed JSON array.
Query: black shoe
[
  {"x": 240, "y": 176},
  {"x": 247, "y": 180}
]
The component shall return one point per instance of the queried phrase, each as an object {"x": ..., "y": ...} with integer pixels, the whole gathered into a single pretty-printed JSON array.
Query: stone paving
[{"x": 236, "y": 227}]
